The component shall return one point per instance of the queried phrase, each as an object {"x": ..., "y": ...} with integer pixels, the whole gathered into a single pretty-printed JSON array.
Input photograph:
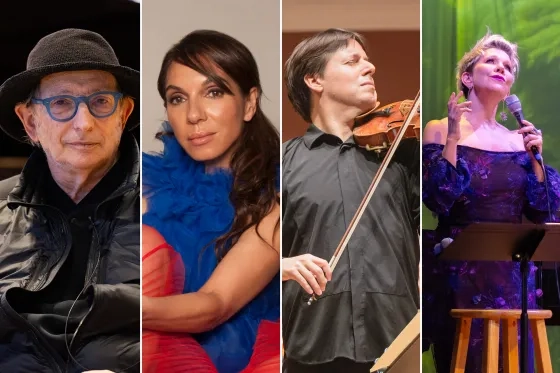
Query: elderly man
[{"x": 69, "y": 223}]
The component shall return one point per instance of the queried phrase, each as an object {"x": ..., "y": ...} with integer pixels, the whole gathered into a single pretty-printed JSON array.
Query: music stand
[
  {"x": 403, "y": 355},
  {"x": 504, "y": 242}
]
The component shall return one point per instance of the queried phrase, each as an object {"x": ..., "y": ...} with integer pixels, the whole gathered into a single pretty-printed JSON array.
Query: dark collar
[
  {"x": 55, "y": 196},
  {"x": 314, "y": 137}
]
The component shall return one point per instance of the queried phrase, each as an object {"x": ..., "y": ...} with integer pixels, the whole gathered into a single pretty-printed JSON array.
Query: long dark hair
[{"x": 256, "y": 158}]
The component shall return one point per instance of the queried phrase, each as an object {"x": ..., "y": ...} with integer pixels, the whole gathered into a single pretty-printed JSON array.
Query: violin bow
[{"x": 374, "y": 183}]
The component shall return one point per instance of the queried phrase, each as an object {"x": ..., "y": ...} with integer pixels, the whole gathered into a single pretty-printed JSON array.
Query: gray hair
[{"x": 28, "y": 103}]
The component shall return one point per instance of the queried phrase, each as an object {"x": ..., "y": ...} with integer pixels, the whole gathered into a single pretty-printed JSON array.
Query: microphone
[{"x": 514, "y": 107}]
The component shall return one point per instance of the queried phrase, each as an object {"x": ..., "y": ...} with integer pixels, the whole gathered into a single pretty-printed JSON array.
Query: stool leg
[
  {"x": 510, "y": 348},
  {"x": 542, "y": 352},
  {"x": 461, "y": 345},
  {"x": 491, "y": 346}
]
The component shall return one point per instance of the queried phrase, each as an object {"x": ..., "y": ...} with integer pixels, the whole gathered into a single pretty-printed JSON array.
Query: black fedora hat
[{"x": 65, "y": 50}]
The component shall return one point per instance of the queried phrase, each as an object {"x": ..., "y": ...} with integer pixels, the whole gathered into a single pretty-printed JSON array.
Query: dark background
[{"x": 24, "y": 23}]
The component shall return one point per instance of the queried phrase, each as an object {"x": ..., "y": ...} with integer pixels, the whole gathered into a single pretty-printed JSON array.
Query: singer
[{"x": 474, "y": 170}]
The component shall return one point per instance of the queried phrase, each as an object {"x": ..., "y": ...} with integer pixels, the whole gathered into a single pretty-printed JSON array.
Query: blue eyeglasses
[{"x": 63, "y": 108}]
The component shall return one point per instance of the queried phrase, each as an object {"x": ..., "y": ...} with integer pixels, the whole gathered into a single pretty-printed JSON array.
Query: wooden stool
[{"x": 509, "y": 319}]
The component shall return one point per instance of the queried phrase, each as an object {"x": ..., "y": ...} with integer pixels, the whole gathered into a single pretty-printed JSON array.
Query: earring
[{"x": 503, "y": 115}]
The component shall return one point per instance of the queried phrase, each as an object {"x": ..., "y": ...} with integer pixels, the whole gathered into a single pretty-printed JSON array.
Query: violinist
[{"x": 372, "y": 294}]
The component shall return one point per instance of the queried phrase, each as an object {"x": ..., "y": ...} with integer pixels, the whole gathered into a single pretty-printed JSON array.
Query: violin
[
  {"x": 376, "y": 130},
  {"x": 380, "y": 130}
]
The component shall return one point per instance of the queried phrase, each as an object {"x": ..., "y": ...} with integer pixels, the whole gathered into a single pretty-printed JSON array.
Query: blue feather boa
[{"x": 190, "y": 209}]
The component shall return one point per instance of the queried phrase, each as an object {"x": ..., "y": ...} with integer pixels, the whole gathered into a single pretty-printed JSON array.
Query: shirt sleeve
[
  {"x": 442, "y": 183},
  {"x": 537, "y": 201},
  {"x": 288, "y": 228}
]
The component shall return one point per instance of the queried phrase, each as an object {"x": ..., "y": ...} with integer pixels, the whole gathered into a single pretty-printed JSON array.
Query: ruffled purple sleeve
[
  {"x": 537, "y": 205},
  {"x": 442, "y": 183}
]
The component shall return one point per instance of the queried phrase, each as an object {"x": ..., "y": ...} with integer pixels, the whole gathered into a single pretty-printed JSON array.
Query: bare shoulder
[
  {"x": 435, "y": 132},
  {"x": 515, "y": 140},
  {"x": 267, "y": 231}
]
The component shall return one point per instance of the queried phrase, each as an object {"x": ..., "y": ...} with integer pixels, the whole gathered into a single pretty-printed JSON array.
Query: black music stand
[{"x": 504, "y": 242}]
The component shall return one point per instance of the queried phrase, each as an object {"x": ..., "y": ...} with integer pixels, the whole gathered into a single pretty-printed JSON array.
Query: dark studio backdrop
[
  {"x": 450, "y": 29},
  {"x": 24, "y": 23}
]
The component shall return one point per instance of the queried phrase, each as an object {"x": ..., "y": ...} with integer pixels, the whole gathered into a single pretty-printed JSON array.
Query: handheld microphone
[{"x": 514, "y": 107}]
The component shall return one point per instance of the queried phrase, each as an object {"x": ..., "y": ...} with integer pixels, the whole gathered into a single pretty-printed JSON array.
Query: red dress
[{"x": 163, "y": 274}]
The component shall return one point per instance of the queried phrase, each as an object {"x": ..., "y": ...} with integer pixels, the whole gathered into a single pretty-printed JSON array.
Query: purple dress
[{"x": 485, "y": 186}]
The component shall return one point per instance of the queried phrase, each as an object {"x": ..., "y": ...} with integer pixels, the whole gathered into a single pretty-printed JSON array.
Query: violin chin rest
[{"x": 377, "y": 149}]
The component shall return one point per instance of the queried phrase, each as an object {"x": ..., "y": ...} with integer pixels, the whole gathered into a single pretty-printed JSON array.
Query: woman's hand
[
  {"x": 454, "y": 113},
  {"x": 311, "y": 272},
  {"x": 533, "y": 137}
]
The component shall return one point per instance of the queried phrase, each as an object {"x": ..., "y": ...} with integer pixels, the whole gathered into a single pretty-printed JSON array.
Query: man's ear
[
  {"x": 25, "y": 115},
  {"x": 314, "y": 82},
  {"x": 126, "y": 109}
]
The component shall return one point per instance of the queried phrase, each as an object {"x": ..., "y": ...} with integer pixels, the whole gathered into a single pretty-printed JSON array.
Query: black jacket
[{"x": 35, "y": 240}]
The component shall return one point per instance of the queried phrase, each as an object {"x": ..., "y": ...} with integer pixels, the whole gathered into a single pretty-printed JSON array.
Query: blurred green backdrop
[{"x": 451, "y": 27}]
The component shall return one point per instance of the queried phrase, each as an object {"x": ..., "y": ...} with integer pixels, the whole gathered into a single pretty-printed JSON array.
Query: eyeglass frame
[{"x": 77, "y": 100}]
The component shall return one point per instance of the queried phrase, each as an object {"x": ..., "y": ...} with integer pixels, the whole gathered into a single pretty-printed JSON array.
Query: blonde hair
[{"x": 470, "y": 58}]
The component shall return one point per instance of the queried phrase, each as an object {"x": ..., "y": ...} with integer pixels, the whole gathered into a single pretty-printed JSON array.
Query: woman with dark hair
[{"x": 213, "y": 196}]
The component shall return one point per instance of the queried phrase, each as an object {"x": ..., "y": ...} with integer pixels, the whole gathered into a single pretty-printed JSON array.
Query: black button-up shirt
[{"x": 374, "y": 290}]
